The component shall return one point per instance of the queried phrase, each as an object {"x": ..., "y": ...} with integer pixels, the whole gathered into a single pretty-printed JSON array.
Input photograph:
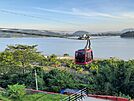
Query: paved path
[{"x": 93, "y": 99}]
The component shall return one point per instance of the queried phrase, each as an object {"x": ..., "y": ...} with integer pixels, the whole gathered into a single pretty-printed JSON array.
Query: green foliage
[
  {"x": 21, "y": 55},
  {"x": 43, "y": 97},
  {"x": 28, "y": 79},
  {"x": 109, "y": 76},
  {"x": 115, "y": 76},
  {"x": 2, "y": 98},
  {"x": 124, "y": 96},
  {"x": 66, "y": 54},
  {"x": 55, "y": 80},
  {"x": 35, "y": 97},
  {"x": 53, "y": 61},
  {"x": 7, "y": 63},
  {"x": 16, "y": 91}
]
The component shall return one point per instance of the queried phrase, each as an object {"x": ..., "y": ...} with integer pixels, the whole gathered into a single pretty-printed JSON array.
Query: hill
[
  {"x": 80, "y": 33},
  {"x": 8, "y": 32},
  {"x": 128, "y": 34},
  {"x": 127, "y": 30},
  {"x": 111, "y": 33}
]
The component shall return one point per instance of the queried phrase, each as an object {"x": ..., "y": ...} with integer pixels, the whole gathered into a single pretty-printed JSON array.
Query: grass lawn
[
  {"x": 43, "y": 97},
  {"x": 37, "y": 97}
]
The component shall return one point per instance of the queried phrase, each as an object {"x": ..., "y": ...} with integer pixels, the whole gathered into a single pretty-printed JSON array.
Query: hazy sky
[{"x": 90, "y": 15}]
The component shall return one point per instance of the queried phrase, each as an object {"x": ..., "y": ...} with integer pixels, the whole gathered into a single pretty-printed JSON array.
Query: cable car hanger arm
[{"x": 88, "y": 44}]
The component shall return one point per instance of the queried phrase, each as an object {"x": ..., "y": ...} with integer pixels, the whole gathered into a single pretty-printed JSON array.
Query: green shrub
[
  {"x": 66, "y": 55},
  {"x": 124, "y": 96},
  {"x": 2, "y": 98},
  {"x": 16, "y": 91}
]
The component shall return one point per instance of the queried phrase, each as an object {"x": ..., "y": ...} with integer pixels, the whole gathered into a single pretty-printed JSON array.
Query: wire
[{"x": 37, "y": 17}]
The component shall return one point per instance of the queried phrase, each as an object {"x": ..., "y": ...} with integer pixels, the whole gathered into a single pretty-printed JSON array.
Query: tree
[
  {"x": 57, "y": 79},
  {"x": 114, "y": 77},
  {"x": 24, "y": 55},
  {"x": 7, "y": 63}
]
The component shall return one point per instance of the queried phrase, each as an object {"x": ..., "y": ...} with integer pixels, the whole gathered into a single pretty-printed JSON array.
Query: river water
[{"x": 103, "y": 47}]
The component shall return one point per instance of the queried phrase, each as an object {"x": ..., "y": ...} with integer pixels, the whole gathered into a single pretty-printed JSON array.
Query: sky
[{"x": 67, "y": 15}]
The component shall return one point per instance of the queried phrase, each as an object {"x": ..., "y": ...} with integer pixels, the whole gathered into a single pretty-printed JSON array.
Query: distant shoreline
[
  {"x": 73, "y": 58},
  {"x": 19, "y": 33}
]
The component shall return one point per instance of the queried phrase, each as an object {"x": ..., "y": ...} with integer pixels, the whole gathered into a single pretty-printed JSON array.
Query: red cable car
[{"x": 84, "y": 56}]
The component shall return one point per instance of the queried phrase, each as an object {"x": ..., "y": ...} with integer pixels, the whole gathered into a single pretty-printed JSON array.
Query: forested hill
[
  {"x": 79, "y": 33},
  {"x": 27, "y": 32},
  {"x": 128, "y": 34},
  {"x": 111, "y": 33}
]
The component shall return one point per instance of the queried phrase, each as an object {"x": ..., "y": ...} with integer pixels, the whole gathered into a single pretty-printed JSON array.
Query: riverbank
[{"x": 73, "y": 58}]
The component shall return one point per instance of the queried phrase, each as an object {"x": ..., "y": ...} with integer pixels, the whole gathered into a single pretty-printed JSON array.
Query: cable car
[{"x": 84, "y": 56}]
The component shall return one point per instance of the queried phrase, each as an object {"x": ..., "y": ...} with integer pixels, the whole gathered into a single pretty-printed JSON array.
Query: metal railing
[{"x": 77, "y": 96}]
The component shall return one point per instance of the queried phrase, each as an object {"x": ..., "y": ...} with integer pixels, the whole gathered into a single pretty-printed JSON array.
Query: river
[{"x": 103, "y": 47}]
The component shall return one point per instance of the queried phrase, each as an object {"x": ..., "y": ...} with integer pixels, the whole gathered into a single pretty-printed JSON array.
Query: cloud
[
  {"x": 92, "y": 14},
  {"x": 55, "y": 11},
  {"x": 77, "y": 12},
  {"x": 73, "y": 11},
  {"x": 128, "y": 15}
]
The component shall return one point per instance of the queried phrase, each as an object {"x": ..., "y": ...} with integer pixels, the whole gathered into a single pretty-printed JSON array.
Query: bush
[
  {"x": 55, "y": 89},
  {"x": 124, "y": 96},
  {"x": 16, "y": 91},
  {"x": 66, "y": 55}
]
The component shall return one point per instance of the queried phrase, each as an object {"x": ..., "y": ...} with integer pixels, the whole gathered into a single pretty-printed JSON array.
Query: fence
[{"x": 77, "y": 96}]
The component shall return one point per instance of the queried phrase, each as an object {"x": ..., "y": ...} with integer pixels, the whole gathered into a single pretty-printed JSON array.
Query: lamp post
[
  {"x": 35, "y": 75},
  {"x": 36, "y": 79}
]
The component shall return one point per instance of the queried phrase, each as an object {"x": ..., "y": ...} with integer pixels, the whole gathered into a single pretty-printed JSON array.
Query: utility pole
[{"x": 36, "y": 79}]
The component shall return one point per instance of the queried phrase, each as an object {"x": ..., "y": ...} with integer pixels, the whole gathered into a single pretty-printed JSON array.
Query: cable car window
[
  {"x": 91, "y": 54},
  {"x": 88, "y": 57},
  {"x": 80, "y": 57}
]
